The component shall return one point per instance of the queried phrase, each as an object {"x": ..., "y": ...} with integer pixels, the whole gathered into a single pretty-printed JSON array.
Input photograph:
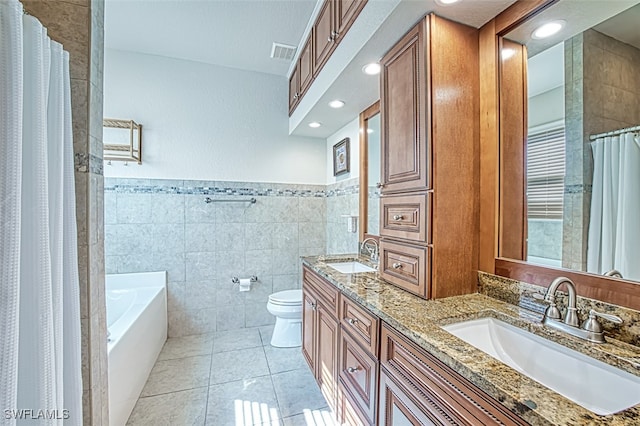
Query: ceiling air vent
[{"x": 282, "y": 51}]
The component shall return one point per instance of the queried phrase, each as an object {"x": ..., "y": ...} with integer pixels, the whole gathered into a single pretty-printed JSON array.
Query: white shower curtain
[
  {"x": 40, "y": 359},
  {"x": 614, "y": 227}
]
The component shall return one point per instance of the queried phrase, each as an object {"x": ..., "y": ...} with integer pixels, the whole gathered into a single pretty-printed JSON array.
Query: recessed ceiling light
[
  {"x": 371, "y": 69},
  {"x": 336, "y": 104},
  {"x": 548, "y": 29},
  {"x": 315, "y": 124},
  {"x": 446, "y": 2}
]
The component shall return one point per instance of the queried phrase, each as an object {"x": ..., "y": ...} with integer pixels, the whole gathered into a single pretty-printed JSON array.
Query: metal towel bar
[{"x": 215, "y": 200}]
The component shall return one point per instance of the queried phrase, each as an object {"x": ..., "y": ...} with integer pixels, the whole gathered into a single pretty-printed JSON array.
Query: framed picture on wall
[{"x": 341, "y": 157}]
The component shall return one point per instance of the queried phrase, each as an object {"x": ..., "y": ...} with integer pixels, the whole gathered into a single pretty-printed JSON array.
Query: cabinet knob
[
  {"x": 379, "y": 185},
  {"x": 334, "y": 34},
  {"x": 330, "y": 39},
  {"x": 397, "y": 266},
  {"x": 313, "y": 305},
  {"x": 398, "y": 217},
  {"x": 353, "y": 369},
  {"x": 352, "y": 321}
]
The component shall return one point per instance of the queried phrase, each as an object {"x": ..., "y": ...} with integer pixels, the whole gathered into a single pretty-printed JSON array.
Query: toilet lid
[{"x": 287, "y": 297}]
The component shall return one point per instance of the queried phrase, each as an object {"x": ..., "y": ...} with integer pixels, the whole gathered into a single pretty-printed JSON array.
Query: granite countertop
[{"x": 421, "y": 320}]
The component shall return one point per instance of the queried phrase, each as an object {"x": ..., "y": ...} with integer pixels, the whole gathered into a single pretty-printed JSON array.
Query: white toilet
[{"x": 287, "y": 307}]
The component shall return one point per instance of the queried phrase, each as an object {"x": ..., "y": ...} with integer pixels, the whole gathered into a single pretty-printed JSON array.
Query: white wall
[
  {"x": 546, "y": 107},
  {"x": 351, "y": 131},
  {"x": 207, "y": 122}
]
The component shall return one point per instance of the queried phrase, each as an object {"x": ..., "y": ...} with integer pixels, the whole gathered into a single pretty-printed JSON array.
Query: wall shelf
[{"x": 122, "y": 140}]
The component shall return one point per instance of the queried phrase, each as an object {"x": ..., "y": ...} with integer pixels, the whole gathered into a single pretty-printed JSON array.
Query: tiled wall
[
  {"x": 342, "y": 199},
  {"x": 601, "y": 94},
  {"x": 544, "y": 238},
  {"x": 158, "y": 225}
]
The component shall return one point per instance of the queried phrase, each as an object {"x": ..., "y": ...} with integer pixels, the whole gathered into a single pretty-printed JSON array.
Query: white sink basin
[
  {"x": 596, "y": 386},
  {"x": 350, "y": 267}
]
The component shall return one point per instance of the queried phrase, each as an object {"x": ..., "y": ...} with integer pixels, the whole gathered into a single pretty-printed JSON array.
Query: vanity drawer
[
  {"x": 358, "y": 373},
  {"x": 406, "y": 217},
  {"x": 407, "y": 266},
  {"x": 360, "y": 323},
  {"x": 324, "y": 290},
  {"x": 444, "y": 393}
]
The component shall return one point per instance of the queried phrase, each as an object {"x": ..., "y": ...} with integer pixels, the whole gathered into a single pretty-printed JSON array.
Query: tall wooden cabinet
[{"x": 429, "y": 100}]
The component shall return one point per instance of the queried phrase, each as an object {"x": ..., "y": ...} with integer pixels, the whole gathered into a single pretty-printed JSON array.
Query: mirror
[
  {"x": 369, "y": 171},
  {"x": 582, "y": 167}
]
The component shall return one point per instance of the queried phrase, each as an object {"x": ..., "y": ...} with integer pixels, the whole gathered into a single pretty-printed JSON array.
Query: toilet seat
[{"x": 286, "y": 298}]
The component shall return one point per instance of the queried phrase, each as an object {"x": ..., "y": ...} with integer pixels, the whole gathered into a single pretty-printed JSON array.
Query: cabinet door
[
  {"x": 358, "y": 373},
  {"x": 327, "y": 354},
  {"x": 398, "y": 409},
  {"x": 346, "y": 13},
  {"x": 323, "y": 38},
  {"x": 305, "y": 65},
  {"x": 309, "y": 304},
  {"x": 294, "y": 89},
  {"x": 405, "y": 113}
]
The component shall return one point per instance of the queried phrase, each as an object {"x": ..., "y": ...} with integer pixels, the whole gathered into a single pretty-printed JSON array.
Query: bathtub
[{"x": 137, "y": 324}]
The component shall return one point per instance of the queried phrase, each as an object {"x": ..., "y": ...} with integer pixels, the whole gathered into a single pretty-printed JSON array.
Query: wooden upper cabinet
[
  {"x": 305, "y": 65},
  {"x": 346, "y": 12},
  {"x": 294, "y": 89},
  {"x": 323, "y": 35},
  {"x": 404, "y": 112},
  {"x": 332, "y": 23}
]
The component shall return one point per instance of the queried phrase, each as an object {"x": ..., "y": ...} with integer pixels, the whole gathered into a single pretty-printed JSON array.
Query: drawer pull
[
  {"x": 398, "y": 217},
  {"x": 397, "y": 266},
  {"x": 353, "y": 369},
  {"x": 352, "y": 321}
]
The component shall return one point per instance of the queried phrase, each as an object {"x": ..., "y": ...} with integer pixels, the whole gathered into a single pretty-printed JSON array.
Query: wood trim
[
  {"x": 489, "y": 148},
  {"x": 519, "y": 12},
  {"x": 490, "y": 144},
  {"x": 364, "y": 167},
  {"x": 513, "y": 134},
  {"x": 607, "y": 289}
]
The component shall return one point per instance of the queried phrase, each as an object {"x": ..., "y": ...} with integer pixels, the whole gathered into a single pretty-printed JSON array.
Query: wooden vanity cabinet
[
  {"x": 429, "y": 101},
  {"x": 358, "y": 365},
  {"x": 370, "y": 374},
  {"x": 418, "y": 388},
  {"x": 320, "y": 332}
]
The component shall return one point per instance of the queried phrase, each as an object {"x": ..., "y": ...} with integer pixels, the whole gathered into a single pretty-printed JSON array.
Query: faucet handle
[
  {"x": 592, "y": 324},
  {"x": 552, "y": 310}
]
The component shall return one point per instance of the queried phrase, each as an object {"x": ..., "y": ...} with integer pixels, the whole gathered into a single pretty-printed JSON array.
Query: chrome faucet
[
  {"x": 374, "y": 253},
  {"x": 614, "y": 273},
  {"x": 591, "y": 329},
  {"x": 552, "y": 311}
]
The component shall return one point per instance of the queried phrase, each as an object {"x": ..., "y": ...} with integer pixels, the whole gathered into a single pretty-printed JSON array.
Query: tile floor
[{"x": 230, "y": 378}]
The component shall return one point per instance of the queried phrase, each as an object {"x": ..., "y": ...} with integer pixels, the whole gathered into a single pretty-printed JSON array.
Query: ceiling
[
  {"x": 546, "y": 68},
  {"x": 230, "y": 33},
  {"x": 239, "y": 34}
]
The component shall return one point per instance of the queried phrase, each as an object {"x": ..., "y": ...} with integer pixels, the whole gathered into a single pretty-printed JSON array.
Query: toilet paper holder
[{"x": 252, "y": 278}]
